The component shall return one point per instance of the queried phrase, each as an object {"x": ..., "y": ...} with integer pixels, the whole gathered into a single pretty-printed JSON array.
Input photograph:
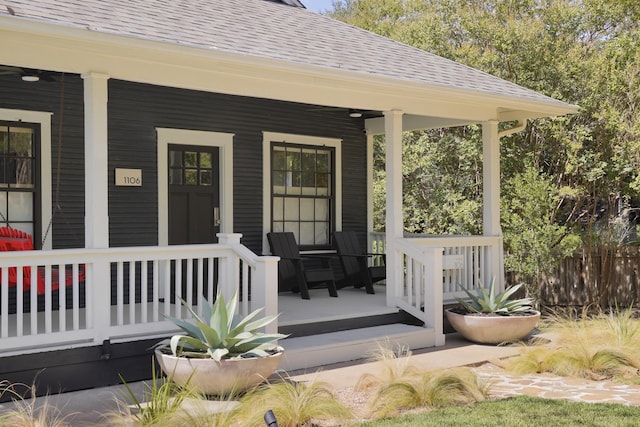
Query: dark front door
[{"x": 194, "y": 194}]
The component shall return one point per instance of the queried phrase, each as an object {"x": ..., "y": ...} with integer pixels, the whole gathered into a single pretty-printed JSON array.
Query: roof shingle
[{"x": 267, "y": 29}]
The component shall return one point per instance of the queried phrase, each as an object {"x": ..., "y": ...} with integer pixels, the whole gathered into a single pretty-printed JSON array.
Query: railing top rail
[
  {"x": 447, "y": 241},
  {"x": 413, "y": 250},
  {"x": 137, "y": 253}
]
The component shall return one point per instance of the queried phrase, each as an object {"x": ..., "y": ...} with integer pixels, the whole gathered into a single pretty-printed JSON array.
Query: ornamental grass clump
[
  {"x": 605, "y": 346},
  {"x": 429, "y": 389},
  {"x": 397, "y": 385},
  {"x": 28, "y": 412},
  {"x": 293, "y": 403}
]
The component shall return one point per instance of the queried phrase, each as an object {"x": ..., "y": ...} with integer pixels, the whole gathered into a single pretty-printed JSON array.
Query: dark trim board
[
  {"x": 80, "y": 368},
  {"x": 307, "y": 329}
]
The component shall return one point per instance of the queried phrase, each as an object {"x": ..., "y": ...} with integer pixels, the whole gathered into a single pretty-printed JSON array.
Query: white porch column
[
  {"x": 394, "y": 223},
  {"x": 491, "y": 199},
  {"x": 95, "y": 160},
  {"x": 96, "y": 220}
]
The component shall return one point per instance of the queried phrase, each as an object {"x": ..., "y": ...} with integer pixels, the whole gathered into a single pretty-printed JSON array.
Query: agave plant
[
  {"x": 489, "y": 302},
  {"x": 221, "y": 333}
]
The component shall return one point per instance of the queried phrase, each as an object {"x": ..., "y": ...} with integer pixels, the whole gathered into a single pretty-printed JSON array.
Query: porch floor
[{"x": 351, "y": 302}]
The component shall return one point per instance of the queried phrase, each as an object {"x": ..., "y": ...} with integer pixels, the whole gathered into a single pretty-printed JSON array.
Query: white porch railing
[
  {"x": 125, "y": 293},
  {"x": 469, "y": 262}
]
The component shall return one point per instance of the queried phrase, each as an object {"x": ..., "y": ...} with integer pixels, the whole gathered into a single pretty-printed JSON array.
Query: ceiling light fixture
[
  {"x": 30, "y": 78},
  {"x": 355, "y": 114}
]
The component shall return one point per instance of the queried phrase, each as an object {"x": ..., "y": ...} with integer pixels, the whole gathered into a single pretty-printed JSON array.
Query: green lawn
[{"x": 521, "y": 411}]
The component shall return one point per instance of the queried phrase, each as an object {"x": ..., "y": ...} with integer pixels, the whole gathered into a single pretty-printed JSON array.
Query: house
[{"x": 134, "y": 133}]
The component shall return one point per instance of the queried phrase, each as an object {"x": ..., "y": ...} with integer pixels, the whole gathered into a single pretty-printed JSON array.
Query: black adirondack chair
[
  {"x": 354, "y": 263},
  {"x": 293, "y": 275}
]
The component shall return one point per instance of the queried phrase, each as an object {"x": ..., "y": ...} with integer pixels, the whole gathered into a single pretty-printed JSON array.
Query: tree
[{"x": 585, "y": 52}]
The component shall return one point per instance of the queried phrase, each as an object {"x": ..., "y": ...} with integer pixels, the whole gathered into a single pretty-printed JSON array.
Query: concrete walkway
[{"x": 86, "y": 407}]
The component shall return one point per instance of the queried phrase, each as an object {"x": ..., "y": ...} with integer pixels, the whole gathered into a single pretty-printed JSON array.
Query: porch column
[
  {"x": 394, "y": 224},
  {"x": 95, "y": 160},
  {"x": 96, "y": 220},
  {"x": 491, "y": 200}
]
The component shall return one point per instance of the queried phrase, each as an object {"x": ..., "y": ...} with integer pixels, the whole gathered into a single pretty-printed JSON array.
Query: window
[
  {"x": 302, "y": 191},
  {"x": 18, "y": 183}
]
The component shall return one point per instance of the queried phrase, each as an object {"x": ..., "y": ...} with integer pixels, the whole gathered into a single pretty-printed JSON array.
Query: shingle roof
[{"x": 266, "y": 29}]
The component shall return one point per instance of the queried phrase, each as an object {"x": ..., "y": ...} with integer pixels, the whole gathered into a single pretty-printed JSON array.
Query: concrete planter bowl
[
  {"x": 493, "y": 329},
  {"x": 222, "y": 377}
]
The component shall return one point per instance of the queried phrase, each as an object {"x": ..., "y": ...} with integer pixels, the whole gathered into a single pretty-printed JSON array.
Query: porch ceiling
[{"x": 257, "y": 48}]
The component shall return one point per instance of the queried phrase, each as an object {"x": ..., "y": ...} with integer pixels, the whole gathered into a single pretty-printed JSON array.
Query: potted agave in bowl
[
  {"x": 490, "y": 318},
  {"x": 220, "y": 352}
]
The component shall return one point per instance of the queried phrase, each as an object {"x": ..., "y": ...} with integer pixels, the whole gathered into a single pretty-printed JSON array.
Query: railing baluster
[
  {"x": 19, "y": 302},
  {"x": 144, "y": 284},
  {"x": 178, "y": 286},
  {"x": 120, "y": 293},
  {"x": 48, "y": 322},
  {"x": 76, "y": 296},
  {"x": 132, "y": 292},
  {"x": 62, "y": 298},
  {"x": 200, "y": 289},
  {"x": 156, "y": 290},
  {"x": 166, "y": 277}
]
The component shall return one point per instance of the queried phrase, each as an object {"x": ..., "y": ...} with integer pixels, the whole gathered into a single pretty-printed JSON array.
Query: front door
[{"x": 194, "y": 194}]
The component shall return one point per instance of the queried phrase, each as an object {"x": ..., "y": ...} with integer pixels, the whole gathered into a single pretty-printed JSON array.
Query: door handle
[{"x": 216, "y": 216}]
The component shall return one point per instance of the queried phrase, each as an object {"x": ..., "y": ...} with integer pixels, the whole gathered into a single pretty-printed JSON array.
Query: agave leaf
[
  {"x": 241, "y": 325},
  {"x": 231, "y": 309},
  {"x": 191, "y": 329},
  {"x": 260, "y": 323},
  {"x": 219, "y": 317},
  {"x": 206, "y": 310},
  {"x": 210, "y": 335},
  {"x": 510, "y": 291},
  {"x": 193, "y": 313},
  {"x": 218, "y": 353},
  {"x": 179, "y": 342}
]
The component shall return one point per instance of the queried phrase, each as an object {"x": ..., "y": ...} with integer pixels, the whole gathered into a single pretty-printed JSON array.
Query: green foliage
[
  {"x": 293, "y": 403},
  {"x": 565, "y": 176},
  {"x": 534, "y": 242},
  {"x": 222, "y": 333},
  {"x": 489, "y": 302}
]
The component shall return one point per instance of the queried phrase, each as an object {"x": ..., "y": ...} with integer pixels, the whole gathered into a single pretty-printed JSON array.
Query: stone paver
[{"x": 505, "y": 384}]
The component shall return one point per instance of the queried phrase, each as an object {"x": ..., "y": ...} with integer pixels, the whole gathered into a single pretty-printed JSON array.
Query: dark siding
[
  {"x": 64, "y": 98},
  {"x": 135, "y": 110}
]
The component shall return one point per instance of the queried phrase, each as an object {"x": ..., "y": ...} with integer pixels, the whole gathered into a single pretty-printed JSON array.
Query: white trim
[
  {"x": 96, "y": 154},
  {"x": 267, "y": 138},
  {"x": 224, "y": 141},
  {"x": 44, "y": 120},
  {"x": 370, "y": 179}
]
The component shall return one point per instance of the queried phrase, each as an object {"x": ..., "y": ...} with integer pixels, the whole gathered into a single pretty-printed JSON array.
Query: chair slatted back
[
  {"x": 284, "y": 245},
  {"x": 346, "y": 242}
]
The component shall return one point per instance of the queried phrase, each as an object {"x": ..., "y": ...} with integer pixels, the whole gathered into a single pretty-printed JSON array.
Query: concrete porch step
[{"x": 311, "y": 352}]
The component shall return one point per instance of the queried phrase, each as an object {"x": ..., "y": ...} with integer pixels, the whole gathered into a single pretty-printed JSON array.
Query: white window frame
[
  {"x": 267, "y": 139},
  {"x": 42, "y": 118},
  {"x": 224, "y": 141}
]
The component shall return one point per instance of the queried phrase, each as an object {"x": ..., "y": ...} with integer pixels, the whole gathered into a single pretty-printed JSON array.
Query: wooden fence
[{"x": 602, "y": 276}]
